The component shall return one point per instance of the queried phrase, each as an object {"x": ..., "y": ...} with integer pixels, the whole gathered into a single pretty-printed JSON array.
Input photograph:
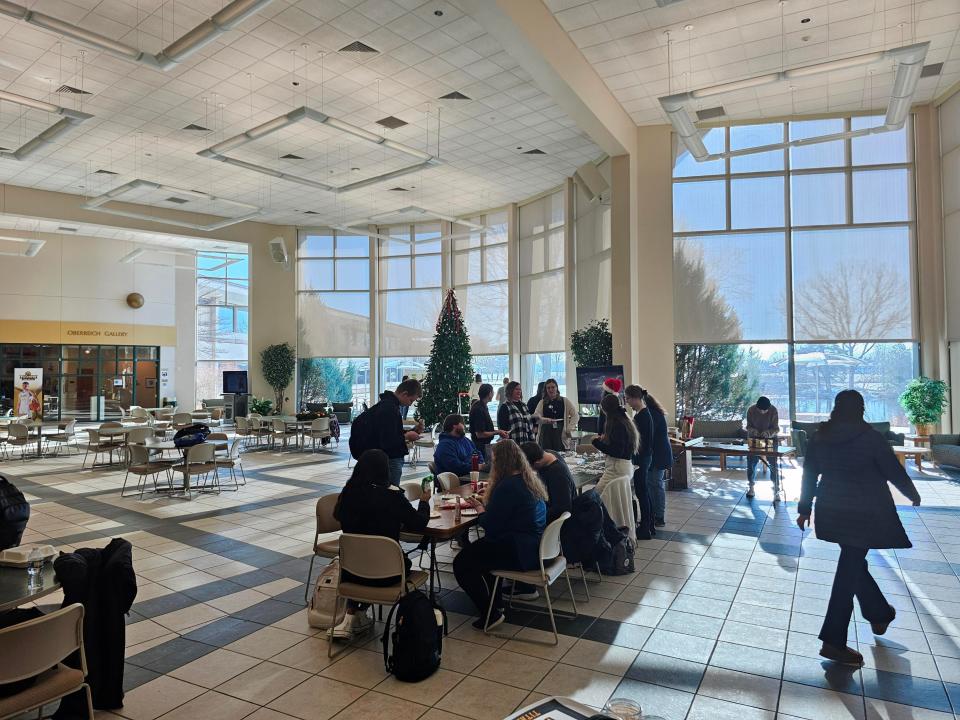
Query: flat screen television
[
  {"x": 590, "y": 382},
  {"x": 235, "y": 381}
]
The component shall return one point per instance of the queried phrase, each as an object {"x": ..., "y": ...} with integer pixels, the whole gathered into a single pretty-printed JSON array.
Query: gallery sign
[
  {"x": 84, "y": 333},
  {"x": 28, "y": 392}
]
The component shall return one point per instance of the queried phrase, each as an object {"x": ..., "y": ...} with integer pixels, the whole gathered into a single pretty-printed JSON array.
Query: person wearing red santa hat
[{"x": 611, "y": 386}]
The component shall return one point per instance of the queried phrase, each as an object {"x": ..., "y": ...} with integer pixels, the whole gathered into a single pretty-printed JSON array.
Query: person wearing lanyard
[{"x": 558, "y": 418}]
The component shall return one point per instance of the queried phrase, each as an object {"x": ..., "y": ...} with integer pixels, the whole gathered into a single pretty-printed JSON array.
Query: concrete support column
[
  {"x": 651, "y": 266},
  {"x": 931, "y": 283},
  {"x": 623, "y": 247}
]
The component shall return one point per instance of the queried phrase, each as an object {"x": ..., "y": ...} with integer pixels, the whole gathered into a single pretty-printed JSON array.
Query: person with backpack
[
  {"x": 370, "y": 505},
  {"x": 515, "y": 516},
  {"x": 381, "y": 428}
]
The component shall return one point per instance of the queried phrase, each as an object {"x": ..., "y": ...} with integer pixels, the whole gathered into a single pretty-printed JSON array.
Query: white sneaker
[
  {"x": 527, "y": 596},
  {"x": 352, "y": 625}
]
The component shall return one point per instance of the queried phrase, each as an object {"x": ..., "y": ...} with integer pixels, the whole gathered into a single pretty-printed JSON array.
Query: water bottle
[
  {"x": 35, "y": 568},
  {"x": 474, "y": 472}
]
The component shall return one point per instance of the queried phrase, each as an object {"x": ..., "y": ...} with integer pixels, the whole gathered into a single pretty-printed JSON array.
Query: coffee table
[{"x": 917, "y": 453}]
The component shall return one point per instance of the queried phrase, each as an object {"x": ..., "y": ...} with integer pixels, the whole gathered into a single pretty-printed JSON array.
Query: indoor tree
[
  {"x": 592, "y": 345},
  {"x": 924, "y": 401},
  {"x": 449, "y": 369},
  {"x": 277, "y": 363}
]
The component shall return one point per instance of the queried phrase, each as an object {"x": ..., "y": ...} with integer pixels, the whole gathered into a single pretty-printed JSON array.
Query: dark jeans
[
  {"x": 852, "y": 579},
  {"x": 645, "y": 521},
  {"x": 396, "y": 470},
  {"x": 472, "y": 567}
]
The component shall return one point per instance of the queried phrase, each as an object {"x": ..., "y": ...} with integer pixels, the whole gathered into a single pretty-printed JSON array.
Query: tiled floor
[{"x": 718, "y": 622}]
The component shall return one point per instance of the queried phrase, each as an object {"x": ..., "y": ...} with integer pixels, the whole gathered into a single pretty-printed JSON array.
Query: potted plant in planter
[
  {"x": 924, "y": 401},
  {"x": 278, "y": 363}
]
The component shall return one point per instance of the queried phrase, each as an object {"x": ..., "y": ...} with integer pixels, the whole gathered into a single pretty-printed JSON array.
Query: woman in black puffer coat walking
[{"x": 847, "y": 468}]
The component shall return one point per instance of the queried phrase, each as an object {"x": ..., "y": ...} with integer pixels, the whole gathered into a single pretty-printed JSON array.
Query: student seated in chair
[
  {"x": 370, "y": 505},
  {"x": 454, "y": 452}
]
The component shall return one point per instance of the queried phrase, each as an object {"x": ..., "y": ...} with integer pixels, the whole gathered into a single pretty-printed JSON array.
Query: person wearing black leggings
[{"x": 642, "y": 459}]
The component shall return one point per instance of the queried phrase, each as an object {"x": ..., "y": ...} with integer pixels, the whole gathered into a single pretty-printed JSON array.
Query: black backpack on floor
[{"x": 417, "y": 637}]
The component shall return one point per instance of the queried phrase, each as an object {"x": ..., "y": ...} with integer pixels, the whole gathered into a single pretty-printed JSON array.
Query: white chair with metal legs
[
  {"x": 231, "y": 461},
  {"x": 282, "y": 432},
  {"x": 373, "y": 557},
  {"x": 319, "y": 430},
  {"x": 241, "y": 428},
  {"x": 198, "y": 462},
  {"x": 18, "y": 435},
  {"x": 67, "y": 437},
  {"x": 327, "y": 525},
  {"x": 553, "y": 565},
  {"x": 39, "y": 647},
  {"x": 143, "y": 466},
  {"x": 97, "y": 446}
]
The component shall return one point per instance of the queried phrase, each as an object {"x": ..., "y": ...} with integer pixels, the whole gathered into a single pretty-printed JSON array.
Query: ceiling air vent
[
  {"x": 455, "y": 95},
  {"x": 664, "y": 3},
  {"x": 358, "y": 47},
  {"x": 391, "y": 122},
  {"x": 290, "y": 156},
  {"x": 194, "y": 126},
  {"x": 711, "y": 113},
  {"x": 176, "y": 200},
  {"x": 931, "y": 70},
  {"x": 101, "y": 171},
  {"x": 71, "y": 90},
  {"x": 64, "y": 228},
  {"x": 535, "y": 151},
  {"x": 399, "y": 189},
  {"x": 310, "y": 212}
]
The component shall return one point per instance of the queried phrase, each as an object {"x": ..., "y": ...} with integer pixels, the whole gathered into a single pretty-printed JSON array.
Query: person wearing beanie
[{"x": 763, "y": 422}]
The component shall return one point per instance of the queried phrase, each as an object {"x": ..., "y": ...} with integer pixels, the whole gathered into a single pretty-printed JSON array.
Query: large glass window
[
  {"x": 480, "y": 281},
  {"x": 410, "y": 296},
  {"x": 803, "y": 269},
  {"x": 223, "y": 287},
  {"x": 333, "y": 380},
  {"x": 542, "y": 256}
]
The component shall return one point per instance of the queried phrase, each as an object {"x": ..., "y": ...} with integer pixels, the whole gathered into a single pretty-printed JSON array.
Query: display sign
[
  {"x": 83, "y": 333},
  {"x": 28, "y": 392}
]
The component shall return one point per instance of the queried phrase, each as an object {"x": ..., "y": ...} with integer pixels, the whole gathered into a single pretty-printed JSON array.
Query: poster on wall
[{"x": 28, "y": 392}]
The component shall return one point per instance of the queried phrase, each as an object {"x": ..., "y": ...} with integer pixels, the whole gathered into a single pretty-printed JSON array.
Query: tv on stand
[{"x": 235, "y": 381}]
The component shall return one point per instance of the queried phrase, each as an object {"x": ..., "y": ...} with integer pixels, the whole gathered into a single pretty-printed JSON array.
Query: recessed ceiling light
[
  {"x": 805, "y": 21},
  {"x": 391, "y": 122},
  {"x": 805, "y": 38},
  {"x": 358, "y": 47},
  {"x": 438, "y": 13},
  {"x": 535, "y": 151},
  {"x": 195, "y": 126},
  {"x": 455, "y": 95},
  {"x": 688, "y": 27},
  {"x": 354, "y": 169},
  {"x": 104, "y": 172},
  {"x": 290, "y": 156}
]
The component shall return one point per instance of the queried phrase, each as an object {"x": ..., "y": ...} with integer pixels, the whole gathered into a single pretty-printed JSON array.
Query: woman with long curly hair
[{"x": 515, "y": 515}]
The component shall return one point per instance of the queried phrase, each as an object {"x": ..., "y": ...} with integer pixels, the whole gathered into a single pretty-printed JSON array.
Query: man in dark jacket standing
[
  {"x": 386, "y": 423},
  {"x": 644, "y": 457},
  {"x": 763, "y": 423}
]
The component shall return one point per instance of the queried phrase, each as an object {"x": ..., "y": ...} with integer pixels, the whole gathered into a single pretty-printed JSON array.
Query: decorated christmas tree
[{"x": 449, "y": 370}]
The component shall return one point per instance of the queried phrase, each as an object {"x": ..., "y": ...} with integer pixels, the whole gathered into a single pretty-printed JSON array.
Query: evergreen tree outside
[
  {"x": 449, "y": 369},
  {"x": 325, "y": 379}
]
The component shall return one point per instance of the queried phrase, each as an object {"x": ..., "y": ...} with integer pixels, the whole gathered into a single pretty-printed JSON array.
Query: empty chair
[
  {"x": 231, "y": 461},
  {"x": 143, "y": 466},
  {"x": 66, "y": 437},
  {"x": 258, "y": 430},
  {"x": 282, "y": 432},
  {"x": 411, "y": 490},
  {"x": 319, "y": 429},
  {"x": 449, "y": 482},
  {"x": 139, "y": 435},
  {"x": 216, "y": 417},
  {"x": 198, "y": 462},
  {"x": 139, "y": 415},
  {"x": 241, "y": 427},
  {"x": 39, "y": 647},
  {"x": 116, "y": 439},
  {"x": 219, "y": 440},
  {"x": 327, "y": 524},
  {"x": 97, "y": 446},
  {"x": 18, "y": 435},
  {"x": 552, "y": 565},
  {"x": 376, "y": 558},
  {"x": 182, "y": 420}
]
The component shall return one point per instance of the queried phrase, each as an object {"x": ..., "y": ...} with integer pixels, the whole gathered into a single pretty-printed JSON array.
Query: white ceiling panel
[
  {"x": 626, "y": 42},
  {"x": 247, "y": 76}
]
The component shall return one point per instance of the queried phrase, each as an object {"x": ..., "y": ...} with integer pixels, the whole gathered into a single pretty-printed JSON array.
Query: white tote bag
[{"x": 326, "y": 608}]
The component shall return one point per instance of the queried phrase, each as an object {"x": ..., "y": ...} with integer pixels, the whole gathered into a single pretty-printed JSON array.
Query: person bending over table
[
  {"x": 370, "y": 505},
  {"x": 454, "y": 452},
  {"x": 513, "y": 415},
  {"x": 763, "y": 423},
  {"x": 515, "y": 516},
  {"x": 482, "y": 430}
]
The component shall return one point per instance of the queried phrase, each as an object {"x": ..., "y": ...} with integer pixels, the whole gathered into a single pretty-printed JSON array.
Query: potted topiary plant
[
  {"x": 924, "y": 401},
  {"x": 592, "y": 345},
  {"x": 278, "y": 363}
]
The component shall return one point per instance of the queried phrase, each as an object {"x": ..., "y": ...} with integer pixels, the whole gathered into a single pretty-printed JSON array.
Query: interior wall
[
  {"x": 949, "y": 113},
  {"x": 273, "y": 304},
  {"x": 593, "y": 254}
]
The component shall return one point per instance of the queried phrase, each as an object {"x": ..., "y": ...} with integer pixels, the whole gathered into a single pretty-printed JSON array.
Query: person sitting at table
[
  {"x": 513, "y": 415},
  {"x": 370, "y": 505},
  {"x": 515, "y": 516},
  {"x": 454, "y": 452},
  {"x": 482, "y": 430},
  {"x": 558, "y": 418},
  {"x": 763, "y": 423},
  {"x": 556, "y": 477},
  {"x": 619, "y": 444}
]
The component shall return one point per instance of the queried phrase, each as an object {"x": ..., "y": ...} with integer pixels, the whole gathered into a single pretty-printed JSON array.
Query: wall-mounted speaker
[
  {"x": 278, "y": 251},
  {"x": 591, "y": 182}
]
